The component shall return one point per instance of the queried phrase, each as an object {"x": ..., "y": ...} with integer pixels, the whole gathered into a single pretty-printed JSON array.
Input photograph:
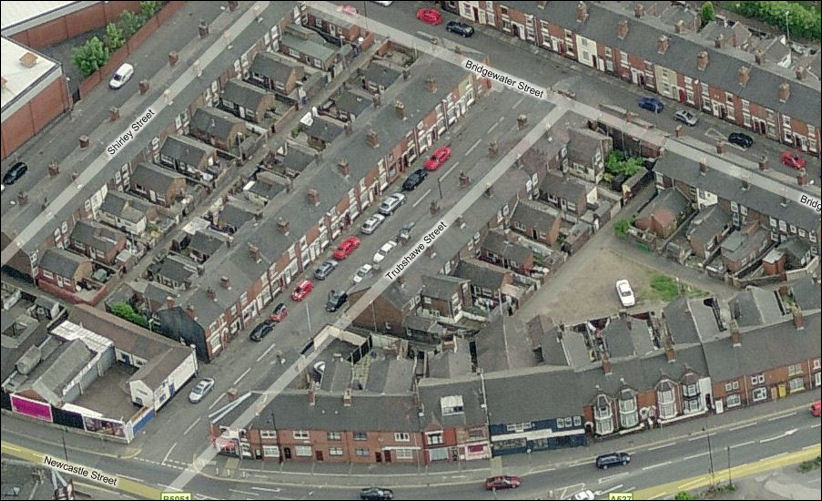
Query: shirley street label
[
  {"x": 80, "y": 471},
  {"x": 504, "y": 79},
  {"x": 127, "y": 136},
  {"x": 417, "y": 251}
]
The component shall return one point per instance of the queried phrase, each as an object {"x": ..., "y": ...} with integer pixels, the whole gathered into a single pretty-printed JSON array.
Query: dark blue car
[{"x": 651, "y": 104}]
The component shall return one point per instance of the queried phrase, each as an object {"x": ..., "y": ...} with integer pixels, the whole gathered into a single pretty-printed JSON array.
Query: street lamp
[
  {"x": 710, "y": 455},
  {"x": 787, "y": 31}
]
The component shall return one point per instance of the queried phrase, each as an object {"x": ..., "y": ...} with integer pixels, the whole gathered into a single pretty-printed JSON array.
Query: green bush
[
  {"x": 619, "y": 163},
  {"x": 683, "y": 495},
  {"x": 708, "y": 13},
  {"x": 90, "y": 56},
  {"x": 803, "y": 17},
  {"x": 125, "y": 311},
  {"x": 150, "y": 8},
  {"x": 621, "y": 226},
  {"x": 665, "y": 286},
  {"x": 114, "y": 37},
  {"x": 130, "y": 23}
]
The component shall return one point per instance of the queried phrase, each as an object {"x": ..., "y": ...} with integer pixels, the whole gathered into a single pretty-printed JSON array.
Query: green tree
[
  {"x": 621, "y": 227},
  {"x": 618, "y": 163},
  {"x": 708, "y": 13},
  {"x": 90, "y": 56},
  {"x": 130, "y": 23},
  {"x": 150, "y": 8},
  {"x": 114, "y": 37},
  {"x": 125, "y": 311}
]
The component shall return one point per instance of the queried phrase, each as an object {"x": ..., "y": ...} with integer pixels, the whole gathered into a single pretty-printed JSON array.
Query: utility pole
[
  {"x": 730, "y": 483},
  {"x": 65, "y": 449},
  {"x": 308, "y": 315},
  {"x": 710, "y": 455},
  {"x": 787, "y": 30}
]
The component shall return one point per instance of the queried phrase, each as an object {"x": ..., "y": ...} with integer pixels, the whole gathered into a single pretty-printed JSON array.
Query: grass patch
[
  {"x": 810, "y": 465},
  {"x": 665, "y": 288}
]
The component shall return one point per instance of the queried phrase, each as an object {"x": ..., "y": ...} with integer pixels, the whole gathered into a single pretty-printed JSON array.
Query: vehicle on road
[
  {"x": 414, "y": 180},
  {"x": 740, "y": 139},
  {"x": 459, "y": 28},
  {"x": 605, "y": 461},
  {"x": 346, "y": 248},
  {"x": 391, "y": 203},
  {"x": 16, "y": 172},
  {"x": 793, "y": 160},
  {"x": 438, "y": 158},
  {"x": 200, "y": 390},
  {"x": 583, "y": 495},
  {"x": 121, "y": 76},
  {"x": 262, "y": 330},
  {"x": 816, "y": 408},
  {"x": 362, "y": 272},
  {"x": 502, "y": 482},
  {"x": 302, "y": 290},
  {"x": 686, "y": 117},
  {"x": 625, "y": 293},
  {"x": 651, "y": 104},
  {"x": 325, "y": 269},
  {"x": 371, "y": 224},
  {"x": 279, "y": 313},
  {"x": 384, "y": 4},
  {"x": 404, "y": 235},
  {"x": 335, "y": 300},
  {"x": 376, "y": 493},
  {"x": 386, "y": 248},
  {"x": 429, "y": 16}
]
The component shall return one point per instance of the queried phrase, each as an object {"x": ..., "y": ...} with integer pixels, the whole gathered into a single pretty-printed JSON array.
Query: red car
[
  {"x": 438, "y": 158},
  {"x": 279, "y": 313},
  {"x": 502, "y": 482},
  {"x": 793, "y": 160},
  {"x": 430, "y": 16},
  {"x": 816, "y": 408},
  {"x": 346, "y": 247},
  {"x": 302, "y": 290}
]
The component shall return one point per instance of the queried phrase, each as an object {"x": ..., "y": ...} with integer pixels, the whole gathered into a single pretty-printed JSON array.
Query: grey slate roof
[
  {"x": 311, "y": 48},
  {"x": 296, "y": 159},
  {"x": 96, "y": 235},
  {"x": 275, "y": 69},
  {"x": 125, "y": 206},
  {"x": 61, "y": 261},
  {"x": 428, "y": 325},
  {"x": 503, "y": 345},
  {"x": 206, "y": 242},
  {"x": 235, "y": 215},
  {"x": 690, "y": 321},
  {"x": 215, "y": 122},
  {"x": 451, "y": 362},
  {"x": 352, "y": 103},
  {"x": 545, "y": 335},
  {"x": 670, "y": 200},
  {"x": 807, "y": 293},
  {"x": 390, "y": 375},
  {"x": 496, "y": 242},
  {"x": 533, "y": 214},
  {"x": 153, "y": 177},
  {"x": 709, "y": 222},
  {"x": 337, "y": 375},
  {"x": 565, "y": 187},
  {"x": 323, "y": 129},
  {"x": 756, "y": 306},
  {"x": 52, "y": 374},
  {"x": 381, "y": 74},
  {"x": 740, "y": 244},
  {"x": 441, "y": 286},
  {"x": 584, "y": 142},
  {"x": 469, "y": 388},
  {"x": 178, "y": 268},
  {"x": 481, "y": 274},
  {"x": 186, "y": 149},
  {"x": 243, "y": 93}
]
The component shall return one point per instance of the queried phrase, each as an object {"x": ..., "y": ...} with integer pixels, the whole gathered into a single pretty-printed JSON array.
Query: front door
[
  {"x": 387, "y": 456},
  {"x": 318, "y": 455},
  {"x": 287, "y": 452},
  {"x": 378, "y": 456}
]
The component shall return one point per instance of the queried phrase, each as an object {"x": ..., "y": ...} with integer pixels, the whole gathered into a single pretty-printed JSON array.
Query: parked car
[
  {"x": 376, "y": 493},
  {"x": 121, "y": 76},
  {"x": 302, "y": 290},
  {"x": 740, "y": 139},
  {"x": 459, "y": 28},
  {"x": 325, "y": 269},
  {"x": 335, "y": 300},
  {"x": 405, "y": 232},
  {"x": 200, "y": 390},
  {"x": 793, "y": 160},
  {"x": 438, "y": 158},
  {"x": 625, "y": 293},
  {"x": 816, "y": 408},
  {"x": 16, "y": 172},
  {"x": 686, "y": 117},
  {"x": 386, "y": 248},
  {"x": 651, "y": 104},
  {"x": 362, "y": 272},
  {"x": 584, "y": 495},
  {"x": 502, "y": 482},
  {"x": 279, "y": 313},
  {"x": 346, "y": 247},
  {"x": 414, "y": 180},
  {"x": 604, "y": 461},
  {"x": 430, "y": 16},
  {"x": 372, "y": 223},
  {"x": 262, "y": 330},
  {"x": 391, "y": 203}
]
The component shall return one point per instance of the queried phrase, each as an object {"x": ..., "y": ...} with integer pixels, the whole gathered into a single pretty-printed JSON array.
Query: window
[
  {"x": 402, "y": 437},
  {"x": 334, "y": 435},
  {"x": 300, "y": 435},
  {"x": 691, "y": 390},
  {"x": 434, "y": 438},
  {"x": 268, "y": 434},
  {"x": 760, "y": 394},
  {"x": 271, "y": 451},
  {"x": 451, "y": 405},
  {"x": 794, "y": 369},
  {"x": 363, "y": 452},
  {"x": 757, "y": 379},
  {"x": 797, "y": 384},
  {"x": 733, "y": 400},
  {"x": 817, "y": 363},
  {"x": 577, "y": 420},
  {"x": 360, "y": 435},
  {"x": 404, "y": 453},
  {"x": 303, "y": 450},
  {"x": 734, "y": 385},
  {"x": 335, "y": 451},
  {"x": 667, "y": 403}
]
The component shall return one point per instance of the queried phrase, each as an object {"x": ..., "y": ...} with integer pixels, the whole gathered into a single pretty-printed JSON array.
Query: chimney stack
[
  {"x": 679, "y": 26},
  {"x": 606, "y": 364},
  {"x": 347, "y": 397},
  {"x": 743, "y": 75},
  {"x": 349, "y": 129},
  {"x": 662, "y": 44},
  {"x": 670, "y": 353},
  {"x": 254, "y": 252},
  {"x": 211, "y": 293},
  {"x": 628, "y": 322},
  {"x": 225, "y": 282},
  {"x": 720, "y": 146},
  {"x": 313, "y": 196},
  {"x": 622, "y": 28},
  {"x": 372, "y": 139},
  {"x": 431, "y": 84},
  {"x": 746, "y": 185},
  {"x": 639, "y": 9},
  {"x": 344, "y": 167},
  {"x": 582, "y": 12},
  {"x": 282, "y": 225},
  {"x": 798, "y": 318},
  {"x": 801, "y": 72},
  {"x": 312, "y": 394},
  {"x": 399, "y": 108},
  {"x": 802, "y": 177},
  {"x": 759, "y": 57},
  {"x": 702, "y": 60},
  {"x": 763, "y": 162},
  {"x": 719, "y": 41},
  {"x": 735, "y": 338},
  {"x": 191, "y": 312},
  {"x": 784, "y": 92},
  {"x": 169, "y": 302},
  {"x": 703, "y": 167}
]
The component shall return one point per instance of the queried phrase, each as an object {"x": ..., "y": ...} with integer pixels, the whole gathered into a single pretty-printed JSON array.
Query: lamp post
[
  {"x": 65, "y": 449},
  {"x": 710, "y": 455},
  {"x": 730, "y": 482},
  {"x": 787, "y": 30},
  {"x": 308, "y": 316}
]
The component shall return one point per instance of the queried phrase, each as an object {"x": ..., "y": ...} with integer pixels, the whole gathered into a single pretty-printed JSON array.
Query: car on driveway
[
  {"x": 16, "y": 172},
  {"x": 335, "y": 300},
  {"x": 386, "y": 248},
  {"x": 325, "y": 269},
  {"x": 430, "y": 16},
  {"x": 262, "y": 330},
  {"x": 686, "y": 117},
  {"x": 414, "y": 180},
  {"x": 391, "y": 203},
  {"x": 502, "y": 482},
  {"x": 362, "y": 272},
  {"x": 625, "y": 293},
  {"x": 651, "y": 104},
  {"x": 438, "y": 158},
  {"x": 792, "y": 160},
  {"x": 302, "y": 290},
  {"x": 605, "y": 461},
  {"x": 376, "y": 493},
  {"x": 279, "y": 313},
  {"x": 459, "y": 28},
  {"x": 346, "y": 247},
  {"x": 121, "y": 76},
  {"x": 200, "y": 390},
  {"x": 740, "y": 139},
  {"x": 372, "y": 223}
]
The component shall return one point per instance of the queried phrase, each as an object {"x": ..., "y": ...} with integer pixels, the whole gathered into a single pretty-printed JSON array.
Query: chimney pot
[
  {"x": 225, "y": 282},
  {"x": 211, "y": 293},
  {"x": 431, "y": 83},
  {"x": 763, "y": 162},
  {"x": 662, "y": 44},
  {"x": 639, "y": 9},
  {"x": 169, "y": 302},
  {"x": 735, "y": 337},
  {"x": 802, "y": 177},
  {"x": 743, "y": 75},
  {"x": 784, "y": 92},
  {"x": 282, "y": 225},
  {"x": 679, "y": 26},
  {"x": 191, "y": 312},
  {"x": 800, "y": 72},
  {"x": 702, "y": 60},
  {"x": 720, "y": 146},
  {"x": 372, "y": 139},
  {"x": 313, "y": 196},
  {"x": 622, "y": 28},
  {"x": 582, "y": 12},
  {"x": 798, "y": 319},
  {"x": 759, "y": 56},
  {"x": 344, "y": 167},
  {"x": 719, "y": 41},
  {"x": 703, "y": 167},
  {"x": 347, "y": 397},
  {"x": 254, "y": 251},
  {"x": 399, "y": 108},
  {"x": 312, "y": 395}
]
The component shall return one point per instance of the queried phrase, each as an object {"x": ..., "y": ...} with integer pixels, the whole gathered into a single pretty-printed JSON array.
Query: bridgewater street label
[
  {"x": 504, "y": 79},
  {"x": 417, "y": 251}
]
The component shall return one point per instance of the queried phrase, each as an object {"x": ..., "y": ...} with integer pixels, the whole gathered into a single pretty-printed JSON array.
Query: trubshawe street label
[
  {"x": 417, "y": 251},
  {"x": 80, "y": 471},
  {"x": 133, "y": 129}
]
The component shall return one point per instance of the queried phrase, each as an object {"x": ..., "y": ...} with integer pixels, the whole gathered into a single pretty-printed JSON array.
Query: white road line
[
  {"x": 810, "y": 447},
  {"x": 783, "y": 416},
  {"x": 168, "y": 453},
  {"x": 215, "y": 402},
  {"x": 449, "y": 170},
  {"x": 611, "y": 477},
  {"x": 666, "y": 463},
  {"x": 134, "y": 479},
  {"x": 421, "y": 198},
  {"x": 519, "y": 102},
  {"x": 266, "y": 490},
  {"x": 493, "y": 127},
  {"x": 743, "y": 444},
  {"x": 817, "y": 425},
  {"x": 242, "y": 375},
  {"x": 13, "y": 448},
  {"x": 577, "y": 464},
  {"x": 695, "y": 456},
  {"x": 774, "y": 456},
  {"x": 473, "y": 146},
  {"x": 192, "y": 426},
  {"x": 267, "y": 350},
  {"x": 661, "y": 446},
  {"x": 606, "y": 491},
  {"x": 766, "y": 440},
  {"x": 245, "y": 492},
  {"x": 166, "y": 486},
  {"x": 743, "y": 426},
  {"x": 696, "y": 438},
  {"x": 658, "y": 496},
  {"x": 501, "y": 119}
]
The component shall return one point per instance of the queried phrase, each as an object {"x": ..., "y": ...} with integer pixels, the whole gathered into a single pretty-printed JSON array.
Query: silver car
[
  {"x": 202, "y": 388},
  {"x": 686, "y": 117},
  {"x": 372, "y": 223},
  {"x": 391, "y": 203}
]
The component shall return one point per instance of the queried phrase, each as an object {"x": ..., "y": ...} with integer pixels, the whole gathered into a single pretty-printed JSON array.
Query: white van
[{"x": 121, "y": 76}]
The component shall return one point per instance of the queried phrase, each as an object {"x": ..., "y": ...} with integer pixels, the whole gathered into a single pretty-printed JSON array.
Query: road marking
[
  {"x": 242, "y": 375},
  {"x": 696, "y": 438},
  {"x": 774, "y": 456},
  {"x": 501, "y": 119},
  {"x": 577, "y": 464},
  {"x": 11, "y": 447},
  {"x": 215, "y": 402},
  {"x": 168, "y": 454},
  {"x": 493, "y": 127},
  {"x": 611, "y": 477},
  {"x": 606, "y": 491},
  {"x": 473, "y": 146},
  {"x": 742, "y": 426},
  {"x": 266, "y": 490},
  {"x": 166, "y": 486},
  {"x": 133, "y": 479},
  {"x": 266, "y": 352},
  {"x": 810, "y": 447},
  {"x": 192, "y": 426},
  {"x": 661, "y": 446},
  {"x": 695, "y": 456},
  {"x": 421, "y": 198},
  {"x": 245, "y": 492},
  {"x": 449, "y": 170},
  {"x": 743, "y": 444},
  {"x": 783, "y": 416},
  {"x": 686, "y": 485},
  {"x": 787, "y": 433},
  {"x": 817, "y": 425},
  {"x": 666, "y": 463},
  {"x": 519, "y": 102},
  {"x": 658, "y": 495}
]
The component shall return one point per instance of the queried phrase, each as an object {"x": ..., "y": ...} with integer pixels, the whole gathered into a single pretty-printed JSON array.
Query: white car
[
  {"x": 201, "y": 390},
  {"x": 384, "y": 250},
  {"x": 391, "y": 203},
  {"x": 372, "y": 223},
  {"x": 583, "y": 495},
  {"x": 363, "y": 272},
  {"x": 686, "y": 117},
  {"x": 626, "y": 295},
  {"x": 121, "y": 76}
]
